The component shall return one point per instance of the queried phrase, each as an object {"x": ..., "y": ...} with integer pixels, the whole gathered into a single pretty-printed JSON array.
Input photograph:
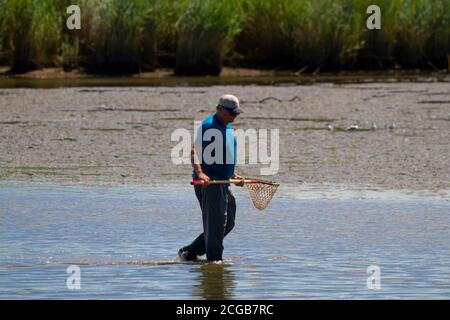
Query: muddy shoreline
[
  {"x": 58, "y": 78},
  {"x": 123, "y": 134}
]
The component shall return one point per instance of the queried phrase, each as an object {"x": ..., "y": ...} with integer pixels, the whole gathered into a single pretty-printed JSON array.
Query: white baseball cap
[{"x": 231, "y": 103}]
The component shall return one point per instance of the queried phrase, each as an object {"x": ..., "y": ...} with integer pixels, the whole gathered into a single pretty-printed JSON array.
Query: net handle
[{"x": 234, "y": 181}]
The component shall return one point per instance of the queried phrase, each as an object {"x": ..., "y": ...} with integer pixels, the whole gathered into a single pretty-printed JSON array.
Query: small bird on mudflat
[
  {"x": 353, "y": 127},
  {"x": 392, "y": 125}
]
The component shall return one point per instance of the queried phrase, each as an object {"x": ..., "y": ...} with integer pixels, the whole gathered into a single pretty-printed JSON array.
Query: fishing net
[{"x": 262, "y": 192}]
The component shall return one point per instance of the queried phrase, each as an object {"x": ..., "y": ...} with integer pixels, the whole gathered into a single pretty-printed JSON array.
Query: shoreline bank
[{"x": 57, "y": 77}]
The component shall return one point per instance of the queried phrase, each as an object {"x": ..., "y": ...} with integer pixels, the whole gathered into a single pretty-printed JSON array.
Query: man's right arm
[{"x": 197, "y": 166}]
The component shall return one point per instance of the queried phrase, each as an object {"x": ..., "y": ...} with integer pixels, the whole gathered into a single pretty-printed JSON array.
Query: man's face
[{"x": 226, "y": 115}]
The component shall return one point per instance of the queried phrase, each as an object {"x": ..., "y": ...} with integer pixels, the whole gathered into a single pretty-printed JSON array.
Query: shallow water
[{"x": 308, "y": 244}]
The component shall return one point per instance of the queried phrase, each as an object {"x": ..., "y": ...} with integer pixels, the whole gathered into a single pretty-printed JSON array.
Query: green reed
[
  {"x": 206, "y": 30},
  {"x": 117, "y": 37},
  {"x": 422, "y": 27},
  {"x": 29, "y": 33},
  {"x": 200, "y": 36}
]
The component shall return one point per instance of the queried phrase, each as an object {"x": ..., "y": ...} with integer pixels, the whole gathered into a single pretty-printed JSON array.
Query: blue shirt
[{"x": 218, "y": 158}]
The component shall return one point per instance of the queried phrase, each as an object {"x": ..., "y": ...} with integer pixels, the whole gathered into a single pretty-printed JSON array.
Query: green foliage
[
  {"x": 117, "y": 30},
  {"x": 300, "y": 33},
  {"x": 271, "y": 31},
  {"x": 418, "y": 22},
  {"x": 30, "y": 33},
  {"x": 198, "y": 36},
  {"x": 206, "y": 30}
]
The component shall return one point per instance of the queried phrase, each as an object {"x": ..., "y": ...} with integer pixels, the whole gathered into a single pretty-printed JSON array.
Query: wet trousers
[{"x": 218, "y": 207}]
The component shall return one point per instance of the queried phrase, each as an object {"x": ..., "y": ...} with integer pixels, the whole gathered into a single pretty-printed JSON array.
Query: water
[{"x": 316, "y": 246}]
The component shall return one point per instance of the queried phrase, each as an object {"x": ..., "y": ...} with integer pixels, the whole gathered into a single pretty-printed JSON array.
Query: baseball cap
[{"x": 231, "y": 103}]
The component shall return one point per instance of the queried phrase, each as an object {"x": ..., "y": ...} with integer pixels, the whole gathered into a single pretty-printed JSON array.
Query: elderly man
[{"x": 216, "y": 200}]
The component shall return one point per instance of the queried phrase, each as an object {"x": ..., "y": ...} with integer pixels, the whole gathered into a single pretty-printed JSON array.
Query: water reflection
[{"x": 214, "y": 281}]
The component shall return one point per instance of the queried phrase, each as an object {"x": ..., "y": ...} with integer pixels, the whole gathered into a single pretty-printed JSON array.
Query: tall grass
[
  {"x": 299, "y": 34},
  {"x": 377, "y": 50},
  {"x": 205, "y": 32},
  {"x": 120, "y": 38},
  {"x": 69, "y": 44},
  {"x": 418, "y": 22},
  {"x": 30, "y": 33},
  {"x": 414, "y": 34},
  {"x": 200, "y": 36},
  {"x": 270, "y": 30},
  {"x": 437, "y": 48},
  {"x": 3, "y": 60},
  {"x": 331, "y": 36},
  {"x": 166, "y": 14}
]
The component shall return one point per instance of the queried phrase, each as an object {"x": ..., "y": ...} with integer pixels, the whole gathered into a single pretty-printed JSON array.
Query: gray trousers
[{"x": 218, "y": 212}]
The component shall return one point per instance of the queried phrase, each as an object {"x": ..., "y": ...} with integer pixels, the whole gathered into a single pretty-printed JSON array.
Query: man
[{"x": 217, "y": 203}]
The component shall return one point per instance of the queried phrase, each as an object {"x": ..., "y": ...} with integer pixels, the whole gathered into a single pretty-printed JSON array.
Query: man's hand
[
  {"x": 236, "y": 176},
  {"x": 204, "y": 177}
]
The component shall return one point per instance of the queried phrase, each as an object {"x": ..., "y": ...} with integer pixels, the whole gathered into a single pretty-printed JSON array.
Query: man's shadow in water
[{"x": 214, "y": 281}]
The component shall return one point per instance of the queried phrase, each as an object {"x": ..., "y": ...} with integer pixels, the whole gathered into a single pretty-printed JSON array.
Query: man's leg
[
  {"x": 214, "y": 211},
  {"x": 231, "y": 211},
  {"x": 198, "y": 246}
]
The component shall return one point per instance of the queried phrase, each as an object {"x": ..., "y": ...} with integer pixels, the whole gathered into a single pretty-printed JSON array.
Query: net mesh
[{"x": 261, "y": 193}]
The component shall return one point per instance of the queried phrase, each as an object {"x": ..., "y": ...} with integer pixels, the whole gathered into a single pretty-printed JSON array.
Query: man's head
[{"x": 228, "y": 108}]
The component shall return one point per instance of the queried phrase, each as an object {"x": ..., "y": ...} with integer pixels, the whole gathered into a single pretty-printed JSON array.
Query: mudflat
[{"x": 123, "y": 134}]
